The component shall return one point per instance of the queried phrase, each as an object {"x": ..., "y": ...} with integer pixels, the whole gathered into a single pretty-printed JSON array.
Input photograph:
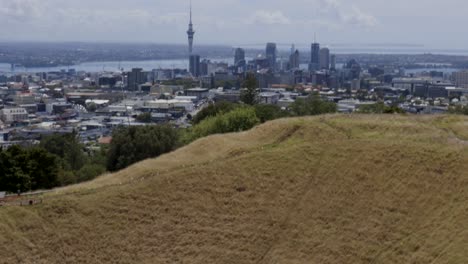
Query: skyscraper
[
  {"x": 294, "y": 60},
  {"x": 195, "y": 65},
  {"x": 333, "y": 62},
  {"x": 135, "y": 78},
  {"x": 239, "y": 57},
  {"x": 190, "y": 32},
  {"x": 315, "y": 57},
  {"x": 324, "y": 59},
  {"x": 271, "y": 55},
  {"x": 204, "y": 67}
]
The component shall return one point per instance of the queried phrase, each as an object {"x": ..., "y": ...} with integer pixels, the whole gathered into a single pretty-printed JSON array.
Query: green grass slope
[{"x": 327, "y": 189}]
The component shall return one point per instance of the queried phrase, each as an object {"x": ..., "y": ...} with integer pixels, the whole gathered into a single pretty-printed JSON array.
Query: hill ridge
[{"x": 326, "y": 189}]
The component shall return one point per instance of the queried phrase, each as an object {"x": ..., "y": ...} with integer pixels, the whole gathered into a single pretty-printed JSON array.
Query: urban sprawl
[{"x": 92, "y": 104}]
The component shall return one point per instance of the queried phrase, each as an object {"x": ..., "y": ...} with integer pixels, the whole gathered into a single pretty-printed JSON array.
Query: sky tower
[{"x": 190, "y": 31}]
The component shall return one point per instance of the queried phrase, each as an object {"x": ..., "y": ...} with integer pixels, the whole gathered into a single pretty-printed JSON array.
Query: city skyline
[{"x": 235, "y": 22}]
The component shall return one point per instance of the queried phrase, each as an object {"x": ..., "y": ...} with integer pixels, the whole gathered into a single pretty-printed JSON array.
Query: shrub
[
  {"x": 213, "y": 110},
  {"x": 312, "y": 105},
  {"x": 266, "y": 112},
  {"x": 239, "y": 119}
]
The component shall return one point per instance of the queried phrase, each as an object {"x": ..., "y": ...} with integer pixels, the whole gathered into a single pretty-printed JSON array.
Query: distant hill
[{"x": 327, "y": 189}]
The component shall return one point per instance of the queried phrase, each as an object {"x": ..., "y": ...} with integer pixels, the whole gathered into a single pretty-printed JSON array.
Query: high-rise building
[
  {"x": 239, "y": 57},
  {"x": 315, "y": 57},
  {"x": 204, "y": 67},
  {"x": 195, "y": 65},
  {"x": 352, "y": 69},
  {"x": 190, "y": 32},
  {"x": 324, "y": 59},
  {"x": 333, "y": 62},
  {"x": 460, "y": 79},
  {"x": 294, "y": 60},
  {"x": 135, "y": 78},
  {"x": 271, "y": 55}
]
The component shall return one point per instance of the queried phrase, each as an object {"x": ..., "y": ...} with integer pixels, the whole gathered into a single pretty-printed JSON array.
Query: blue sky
[{"x": 427, "y": 22}]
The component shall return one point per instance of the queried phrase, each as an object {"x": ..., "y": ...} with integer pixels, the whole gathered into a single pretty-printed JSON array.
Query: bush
[
  {"x": 133, "y": 144},
  {"x": 89, "y": 172},
  {"x": 269, "y": 112},
  {"x": 239, "y": 119},
  {"x": 312, "y": 105},
  {"x": 213, "y": 110},
  {"x": 380, "y": 108},
  {"x": 459, "y": 110}
]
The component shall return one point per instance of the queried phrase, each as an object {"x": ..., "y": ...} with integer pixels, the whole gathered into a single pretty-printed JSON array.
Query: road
[{"x": 183, "y": 122}]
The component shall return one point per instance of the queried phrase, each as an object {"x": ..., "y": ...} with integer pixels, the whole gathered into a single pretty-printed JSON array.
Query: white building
[
  {"x": 10, "y": 115},
  {"x": 351, "y": 105},
  {"x": 170, "y": 104}
]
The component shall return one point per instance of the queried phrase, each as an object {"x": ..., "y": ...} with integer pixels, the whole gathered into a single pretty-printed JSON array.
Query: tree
[
  {"x": 144, "y": 118},
  {"x": 249, "y": 93},
  {"x": 267, "y": 112},
  {"x": 68, "y": 148},
  {"x": 91, "y": 107},
  {"x": 362, "y": 94},
  {"x": 133, "y": 144},
  {"x": 42, "y": 167},
  {"x": 312, "y": 105},
  {"x": 27, "y": 169}
]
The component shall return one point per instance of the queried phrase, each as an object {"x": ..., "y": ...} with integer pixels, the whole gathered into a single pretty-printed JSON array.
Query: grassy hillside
[{"x": 329, "y": 189}]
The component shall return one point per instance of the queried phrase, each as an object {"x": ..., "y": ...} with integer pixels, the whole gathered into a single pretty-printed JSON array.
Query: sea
[
  {"x": 148, "y": 65},
  {"x": 109, "y": 66}
]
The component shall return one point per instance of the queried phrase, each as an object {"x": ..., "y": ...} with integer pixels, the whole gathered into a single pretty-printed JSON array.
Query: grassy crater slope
[{"x": 328, "y": 189}]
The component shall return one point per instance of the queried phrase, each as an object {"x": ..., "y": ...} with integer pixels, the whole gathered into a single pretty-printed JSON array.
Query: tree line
[{"x": 58, "y": 160}]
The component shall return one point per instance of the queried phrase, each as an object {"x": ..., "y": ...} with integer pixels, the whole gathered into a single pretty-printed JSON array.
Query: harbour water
[
  {"x": 110, "y": 66},
  {"x": 114, "y": 66}
]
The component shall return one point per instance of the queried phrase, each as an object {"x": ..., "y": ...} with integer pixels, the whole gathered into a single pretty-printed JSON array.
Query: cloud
[
  {"x": 327, "y": 14},
  {"x": 218, "y": 20},
  {"x": 337, "y": 13},
  {"x": 357, "y": 17},
  {"x": 269, "y": 18},
  {"x": 20, "y": 10}
]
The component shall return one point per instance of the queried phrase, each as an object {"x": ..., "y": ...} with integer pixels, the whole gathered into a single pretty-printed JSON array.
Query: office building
[
  {"x": 460, "y": 79},
  {"x": 239, "y": 57},
  {"x": 315, "y": 57},
  {"x": 271, "y": 55},
  {"x": 324, "y": 59},
  {"x": 135, "y": 78},
  {"x": 194, "y": 66},
  {"x": 10, "y": 115},
  {"x": 333, "y": 62},
  {"x": 204, "y": 64},
  {"x": 294, "y": 60}
]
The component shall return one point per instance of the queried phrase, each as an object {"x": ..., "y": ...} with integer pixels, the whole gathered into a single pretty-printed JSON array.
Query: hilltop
[{"x": 326, "y": 189}]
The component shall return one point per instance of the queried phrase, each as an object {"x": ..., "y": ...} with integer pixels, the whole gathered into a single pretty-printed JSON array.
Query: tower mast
[{"x": 190, "y": 31}]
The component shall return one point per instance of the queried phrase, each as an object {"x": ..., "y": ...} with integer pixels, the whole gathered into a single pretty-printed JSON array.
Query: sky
[{"x": 430, "y": 23}]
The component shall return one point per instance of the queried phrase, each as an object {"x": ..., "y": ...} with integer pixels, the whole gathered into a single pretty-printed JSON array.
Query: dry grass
[{"x": 329, "y": 189}]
